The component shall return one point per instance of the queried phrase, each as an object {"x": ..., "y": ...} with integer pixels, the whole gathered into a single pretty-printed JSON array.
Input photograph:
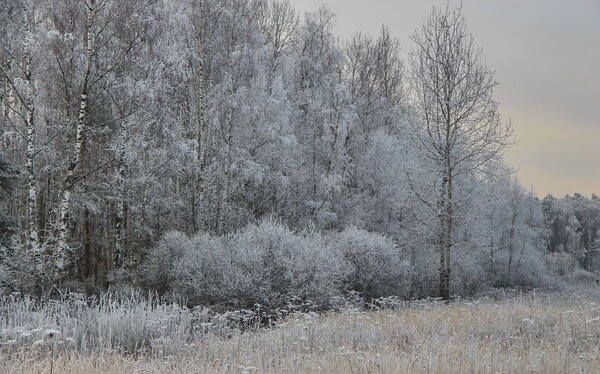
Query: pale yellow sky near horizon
[{"x": 546, "y": 57}]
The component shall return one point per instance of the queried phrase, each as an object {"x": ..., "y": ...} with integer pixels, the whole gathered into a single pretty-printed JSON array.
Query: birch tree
[
  {"x": 17, "y": 70},
  {"x": 91, "y": 8},
  {"x": 460, "y": 131},
  {"x": 111, "y": 34}
]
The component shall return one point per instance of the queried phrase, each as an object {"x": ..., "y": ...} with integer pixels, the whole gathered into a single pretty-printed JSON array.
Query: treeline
[
  {"x": 132, "y": 119},
  {"x": 573, "y": 224}
]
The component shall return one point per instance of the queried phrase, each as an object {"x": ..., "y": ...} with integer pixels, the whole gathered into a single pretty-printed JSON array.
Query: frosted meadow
[{"x": 527, "y": 332}]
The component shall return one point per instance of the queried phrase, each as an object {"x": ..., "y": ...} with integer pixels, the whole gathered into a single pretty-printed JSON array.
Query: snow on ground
[{"x": 528, "y": 332}]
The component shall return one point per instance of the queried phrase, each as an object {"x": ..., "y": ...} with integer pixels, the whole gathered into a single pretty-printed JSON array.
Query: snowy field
[{"x": 526, "y": 333}]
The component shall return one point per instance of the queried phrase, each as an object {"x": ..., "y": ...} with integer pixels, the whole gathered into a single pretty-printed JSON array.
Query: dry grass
[{"x": 553, "y": 334}]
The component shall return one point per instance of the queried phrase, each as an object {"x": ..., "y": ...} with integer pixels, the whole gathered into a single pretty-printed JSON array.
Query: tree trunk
[
  {"x": 447, "y": 218},
  {"x": 25, "y": 98},
  {"x": 448, "y": 212},
  {"x": 529, "y": 224},
  {"x": 143, "y": 221},
  {"x": 65, "y": 204},
  {"x": 511, "y": 239},
  {"x": 198, "y": 98},
  {"x": 88, "y": 256},
  {"x": 32, "y": 205},
  {"x": 118, "y": 256},
  {"x": 491, "y": 231},
  {"x": 119, "y": 224},
  {"x": 588, "y": 253},
  {"x": 224, "y": 193}
]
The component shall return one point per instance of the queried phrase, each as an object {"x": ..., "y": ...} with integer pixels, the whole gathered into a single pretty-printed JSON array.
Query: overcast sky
[{"x": 546, "y": 55}]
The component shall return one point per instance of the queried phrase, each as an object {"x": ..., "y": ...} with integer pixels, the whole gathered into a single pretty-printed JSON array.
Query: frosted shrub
[
  {"x": 469, "y": 275},
  {"x": 376, "y": 266},
  {"x": 156, "y": 271},
  {"x": 533, "y": 273},
  {"x": 262, "y": 263},
  {"x": 207, "y": 272},
  {"x": 16, "y": 272},
  {"x": 528, "y": 271},
  {"x": 289, "y": 263},
  {"x": 584, "y": 276},
  {"x": 268, "y": 263},
  {"x": 561, "y": 263}
]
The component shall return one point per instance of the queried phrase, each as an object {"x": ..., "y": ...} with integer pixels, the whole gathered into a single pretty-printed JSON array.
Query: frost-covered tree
[
  {"x": 573, "y": 223},
  {"x": 459, "y": 129},
  {"x": 131, "y": 119},
  {"x": 21, "y": 66}
]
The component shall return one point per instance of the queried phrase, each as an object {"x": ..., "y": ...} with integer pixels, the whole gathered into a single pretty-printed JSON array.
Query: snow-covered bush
[
  {"x": 376, "y": 266},
  {"x": 156, "y": 270},
  {"x": 528, "y": 270},
  {"x": 561, "y": 263},
  {"x": 533, "y": 273},
  {"x": 268, "y": 263},
  {"x": 469, "y": 275},
  {"x": 264, "y": 263},
  {"x": 205, "y": 273},
  {"x": 16, "y": 270},
  {"x": 584, "y": 276},
  {"x": 288, "y": 263}
]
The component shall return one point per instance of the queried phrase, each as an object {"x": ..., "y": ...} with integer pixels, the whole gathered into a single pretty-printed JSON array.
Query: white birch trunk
[
  {"x": 32, "y": 232},
  {"x": 65, "y": 204},
  {"x": 32, "y": 211}
]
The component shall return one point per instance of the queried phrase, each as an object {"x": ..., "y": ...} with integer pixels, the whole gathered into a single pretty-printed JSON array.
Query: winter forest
[
  {"x": 228, "y": 186},
  {"x": 238, "y": 152}
]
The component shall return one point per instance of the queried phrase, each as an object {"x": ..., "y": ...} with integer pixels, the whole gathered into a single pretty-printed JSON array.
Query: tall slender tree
[
  {"x": 460, "y": 130},
  {"x": 18, "y": 63}
]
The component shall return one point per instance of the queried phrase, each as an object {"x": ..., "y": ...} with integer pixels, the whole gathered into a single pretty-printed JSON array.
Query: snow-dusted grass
[
  {"x": 527, "y": 334},
  {"x": 131, "y": 324}
]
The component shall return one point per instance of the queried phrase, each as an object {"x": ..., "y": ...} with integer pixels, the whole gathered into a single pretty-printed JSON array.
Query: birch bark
[{"x": 67, "y": 187}]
